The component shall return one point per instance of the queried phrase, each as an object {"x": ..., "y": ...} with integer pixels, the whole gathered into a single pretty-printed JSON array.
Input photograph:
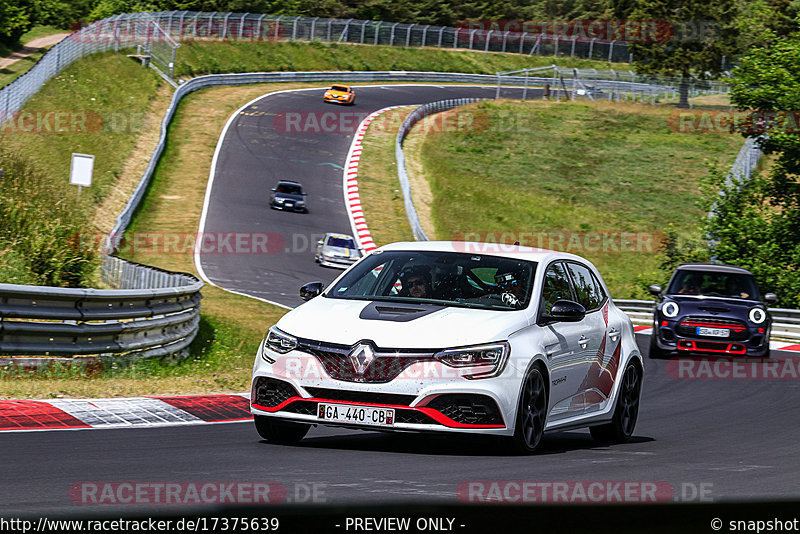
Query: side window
[
  {"x": 556, "y": 286},
  {"x": 588, "y": 290}
]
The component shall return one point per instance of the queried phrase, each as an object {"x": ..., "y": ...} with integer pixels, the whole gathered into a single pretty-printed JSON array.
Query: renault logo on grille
[{"x": 361, "y": 356}]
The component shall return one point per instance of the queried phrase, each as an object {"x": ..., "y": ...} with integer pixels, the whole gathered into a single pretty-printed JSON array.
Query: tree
[
  {"x": 14, "y": 21},
  {"x": 756, "y": 223},
  {"x": 692, "y": 37}
]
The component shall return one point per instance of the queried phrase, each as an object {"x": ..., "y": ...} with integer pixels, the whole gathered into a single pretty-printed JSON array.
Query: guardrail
[
  {"x": 405, "y": 185},
  {"x": 133, "y": 322},
  {"x": 785, "y": 322}
]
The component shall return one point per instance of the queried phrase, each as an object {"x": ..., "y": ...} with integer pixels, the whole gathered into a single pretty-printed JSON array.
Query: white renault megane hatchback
[{"x": 475, "y": 338}]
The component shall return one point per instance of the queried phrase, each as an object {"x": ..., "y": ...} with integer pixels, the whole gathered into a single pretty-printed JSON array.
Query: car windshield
[
  {"x": 444, "y": 278},
  {"x": 339, "y": 88},
  {"x": 341, "y": 242},
  {"x": 290, "y": 189},
  {"x": 714, "y": 284}
]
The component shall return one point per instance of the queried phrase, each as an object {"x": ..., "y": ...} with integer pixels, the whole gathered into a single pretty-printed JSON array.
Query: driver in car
[{"x": 416, "y": 282}]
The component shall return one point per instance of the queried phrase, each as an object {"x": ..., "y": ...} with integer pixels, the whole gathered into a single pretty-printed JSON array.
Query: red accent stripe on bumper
[{"x": 436, "y": 415}]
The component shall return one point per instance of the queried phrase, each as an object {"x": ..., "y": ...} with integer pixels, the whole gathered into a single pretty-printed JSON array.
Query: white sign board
[{"x": 80, "y": 172}]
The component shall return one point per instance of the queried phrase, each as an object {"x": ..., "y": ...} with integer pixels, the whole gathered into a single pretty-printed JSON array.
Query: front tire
[
  {"x": 626, "y": 412},
  {"x": 531, "y": 414},
  {"x": 655, "y": 352},
  {"x": 282, "y": 432}
]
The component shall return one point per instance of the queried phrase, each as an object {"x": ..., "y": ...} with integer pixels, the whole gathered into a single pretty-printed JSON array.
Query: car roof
[
  {"x": 289, "y": 182},
  {"x": 340, "y": 85},
  {"x": 539, "y": 255},
  {"x": 712, "y": 267}
]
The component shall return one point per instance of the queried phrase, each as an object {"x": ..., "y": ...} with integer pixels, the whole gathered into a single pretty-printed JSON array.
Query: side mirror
[
  {"x": 311, "y": 290},
  {"x": 655, "y": 290},
  {"x": 305, "y": 194},
  {"x": 319, "y": 242},
  {"x": 565, "y": 311},
  {"x": 274, "y": 189},
  {"x": 770, "y": 298}
]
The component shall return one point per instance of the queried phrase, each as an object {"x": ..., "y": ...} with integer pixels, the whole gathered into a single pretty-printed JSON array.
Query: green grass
[
  {"x": 112, "y": 93},
  {"x": 549, "y": 169},
  {"x": 195, "y": 58}
]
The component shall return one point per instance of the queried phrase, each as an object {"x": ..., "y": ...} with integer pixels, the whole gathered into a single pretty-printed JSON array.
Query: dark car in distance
[
  {"x": 711, "y": 309},
  {"x": 288, "y": 196}
]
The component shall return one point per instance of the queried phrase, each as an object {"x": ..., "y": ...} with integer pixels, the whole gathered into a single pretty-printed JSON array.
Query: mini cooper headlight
[
  {"x": 278, "y": 341},
  {"x": 670, "y": 309},
  {"x": 490, "y": 358},
  {"x": 758, "y": 315}
]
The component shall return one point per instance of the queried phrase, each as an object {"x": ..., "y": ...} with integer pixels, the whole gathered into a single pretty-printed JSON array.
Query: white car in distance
[
  {"x": 337, "y": 250},
  {"x": 476, "y": 338}
]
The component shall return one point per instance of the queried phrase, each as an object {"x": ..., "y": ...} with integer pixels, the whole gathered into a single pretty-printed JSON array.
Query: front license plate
[
  {"x": 363, "y": 415},
  {"x": 714, "y": 332}
]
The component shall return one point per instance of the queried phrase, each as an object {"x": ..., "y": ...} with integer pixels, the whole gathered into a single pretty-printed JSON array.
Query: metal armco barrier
[
  {"x": 146, "y": 319},
  {"x": 405, "y": 185},
  {"x": 785, "y": 322}
]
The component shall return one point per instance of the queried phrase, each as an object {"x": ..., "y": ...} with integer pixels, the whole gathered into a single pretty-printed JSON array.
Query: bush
[{"x": 44, "y": 237}]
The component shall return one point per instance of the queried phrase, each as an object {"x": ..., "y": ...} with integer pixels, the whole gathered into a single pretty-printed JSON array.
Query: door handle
[
  {"x": 583, "y": 342},
  {"x": 613, "y": 334}
]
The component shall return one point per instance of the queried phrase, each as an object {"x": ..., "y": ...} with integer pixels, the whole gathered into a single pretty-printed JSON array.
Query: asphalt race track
[
  {"x": 262, "y": 147},
  {"x": 732, "y": 439},
  {"x": 718, "y": 440}
]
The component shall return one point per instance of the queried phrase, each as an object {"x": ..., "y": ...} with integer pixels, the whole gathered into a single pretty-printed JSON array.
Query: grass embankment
[
  {"x": 566, "y": 175},
  {"x": 17, "y": 69},
  {"x": 195, "y": 58}
]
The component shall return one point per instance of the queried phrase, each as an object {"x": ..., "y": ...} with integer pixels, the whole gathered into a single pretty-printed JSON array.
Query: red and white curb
[
  {"x": 773, "y": 345},
  {"x": 350, "y": 184},
  {"x": 71, "y": 414}
]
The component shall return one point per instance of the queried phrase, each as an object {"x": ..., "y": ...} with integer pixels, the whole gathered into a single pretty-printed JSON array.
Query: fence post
[
  {"x": 225, "y": 26},
  {"x": 611, "y": 50},
  {"x": 313, "y": 25},
  {"x": 591, "y": 47},
  {"x": 455, "y": 37},
  {"x": 408, "y": 35},
  {"x": 377, "y": 32},
  {"x": 441, "y": 32},
  {"x": 572, "y": 53},
  {"x": 522, "y": 42},
  {"x": 488, "y": 37},
  {"x": 471, "y": 38},
  {"x": 497, "y": 94},
  {"x": 555, "y": 50},
  {"x": 425, "y": 34},
  {"x": 294, "y": 28},
  {"x": 391, "y": 36}
]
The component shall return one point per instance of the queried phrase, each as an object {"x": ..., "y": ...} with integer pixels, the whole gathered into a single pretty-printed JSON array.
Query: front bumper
[
  {"x": 293, "y": 207},
  {"x": 749, "y": 341},
  {"x": 337, "y": 263},
  {"x": 446, "y": 411},
  {"x": 334, "y": 100}
]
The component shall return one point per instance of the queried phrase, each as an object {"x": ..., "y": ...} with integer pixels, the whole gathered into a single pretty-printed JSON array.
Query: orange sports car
[{"x": 340, "y": 94}]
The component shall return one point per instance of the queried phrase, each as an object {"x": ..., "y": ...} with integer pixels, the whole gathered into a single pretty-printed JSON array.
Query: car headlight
[
  {"x": 489, "y": 359},
  {"x": 328, "y": 94},
  {"x": 758, "y": 315},
  {"x": 670, "y": 309},
  {"x": 279, "y": 200},
  {"x": 300, "y": 203},
  {"x": 278, "y": 341}
]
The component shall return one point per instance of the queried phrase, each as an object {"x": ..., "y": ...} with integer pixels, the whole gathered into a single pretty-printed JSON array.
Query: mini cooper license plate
[
  {"x": 714, "y": 332},
  {"x": 362, "y": 415}
]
